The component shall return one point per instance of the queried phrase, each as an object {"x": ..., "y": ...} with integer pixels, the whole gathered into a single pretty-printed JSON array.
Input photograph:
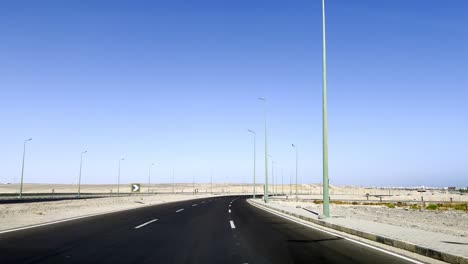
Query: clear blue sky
[{"x": 177, "y": 82}]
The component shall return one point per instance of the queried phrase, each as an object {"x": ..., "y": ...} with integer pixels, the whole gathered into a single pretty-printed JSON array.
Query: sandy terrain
[
  {"x": 445, "y": 221},
  {"x": 453, "y": 222},
  {"x": 17, "y": 215},
  {"x": 125, "y": 188},
  {"x": 307, "y": 191}
]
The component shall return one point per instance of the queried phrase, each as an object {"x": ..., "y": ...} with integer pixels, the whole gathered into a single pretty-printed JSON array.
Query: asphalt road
[{"x": 200, "y": 233}]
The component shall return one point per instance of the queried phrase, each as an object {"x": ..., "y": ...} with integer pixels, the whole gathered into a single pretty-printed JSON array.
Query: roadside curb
[{"x": 422, "y": 250}]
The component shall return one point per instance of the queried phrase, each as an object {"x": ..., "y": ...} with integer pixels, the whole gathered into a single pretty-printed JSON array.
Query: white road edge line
[
  {"x": 346, "y": 238},
  {"x": 180, "y": 210},
  {"x": 73, "y": 218},
  {"x": 147, "y": 223},
  {"x": 232, "y": 224}
]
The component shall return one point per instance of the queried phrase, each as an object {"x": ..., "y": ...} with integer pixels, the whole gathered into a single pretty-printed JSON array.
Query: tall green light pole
[
  {"x": 118, "y": 177},
  {"x": 254, "y": 159},
  {"x": 326, "y": 197},
  {"x": 266, "y": 153},
  {"x": 79, "y": 177},
  {"x": 22, "y": 168},
  {"x": 149, "y": 176},
  {"x": 295, "y": 147}
]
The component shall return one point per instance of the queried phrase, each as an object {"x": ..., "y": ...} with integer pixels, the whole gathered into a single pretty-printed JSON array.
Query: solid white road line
[
  {"x": 346, "y": 238},
  {"x": 232, "y": 224},
  {"x": 180, "y": 210},
  {"x": 194, "y": 204},
  {"x": 147, "y": 223}
]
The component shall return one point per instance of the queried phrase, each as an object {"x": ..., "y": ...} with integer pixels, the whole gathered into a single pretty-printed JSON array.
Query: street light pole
[
  {"x": 118, "y": 178},
  {"x": 272, "y": 174},
  {"x": 295, "y": 147},
  {"x": 290, "y": 185},
  {"x": 22, "y": 167},
  {"x": 149, "y": 176},
  {"x": 282, "y": 182},
  {"x": 326, "y": 197},
  {"x": 173, "y": 182},
  {"x": 79, "y": 178},
  {"x": 266, "y": 153},
  {"x": 255, "y": 136}
]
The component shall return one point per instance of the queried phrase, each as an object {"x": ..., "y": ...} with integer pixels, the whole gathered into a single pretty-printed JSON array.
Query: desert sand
[
  {"x": 454, "y": 222},
  {"x": 24, "y": 214}
]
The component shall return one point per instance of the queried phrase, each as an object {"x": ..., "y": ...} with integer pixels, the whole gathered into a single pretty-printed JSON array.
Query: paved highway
[{"x": 209, "y": 230}]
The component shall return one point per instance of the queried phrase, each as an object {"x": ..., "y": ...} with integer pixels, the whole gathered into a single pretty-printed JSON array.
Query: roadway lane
[{"x": 209, "y": 230}]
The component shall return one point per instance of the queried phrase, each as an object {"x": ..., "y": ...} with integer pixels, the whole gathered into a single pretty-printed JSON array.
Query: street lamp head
[
  {"x": 29, "y": 139},
  {"x": 293, "y": 145},
  {"x": 263, "y": 99},
  {"x": 122, "y": 159},
  {"x": 251, "y": 131}
]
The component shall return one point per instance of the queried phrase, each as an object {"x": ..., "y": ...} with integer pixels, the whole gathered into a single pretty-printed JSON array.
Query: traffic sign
[{"x": 135, "y": 187}]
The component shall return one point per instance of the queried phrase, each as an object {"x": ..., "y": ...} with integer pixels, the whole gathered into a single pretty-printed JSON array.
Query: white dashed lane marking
[
  {"x": 180, "y": 210},
  {"x": 147, "y": 223},
  {"x": 232, "y": 224}
]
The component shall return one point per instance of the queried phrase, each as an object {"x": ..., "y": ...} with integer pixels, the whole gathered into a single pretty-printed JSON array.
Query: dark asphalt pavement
[{"x": 198, "y": 234}]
